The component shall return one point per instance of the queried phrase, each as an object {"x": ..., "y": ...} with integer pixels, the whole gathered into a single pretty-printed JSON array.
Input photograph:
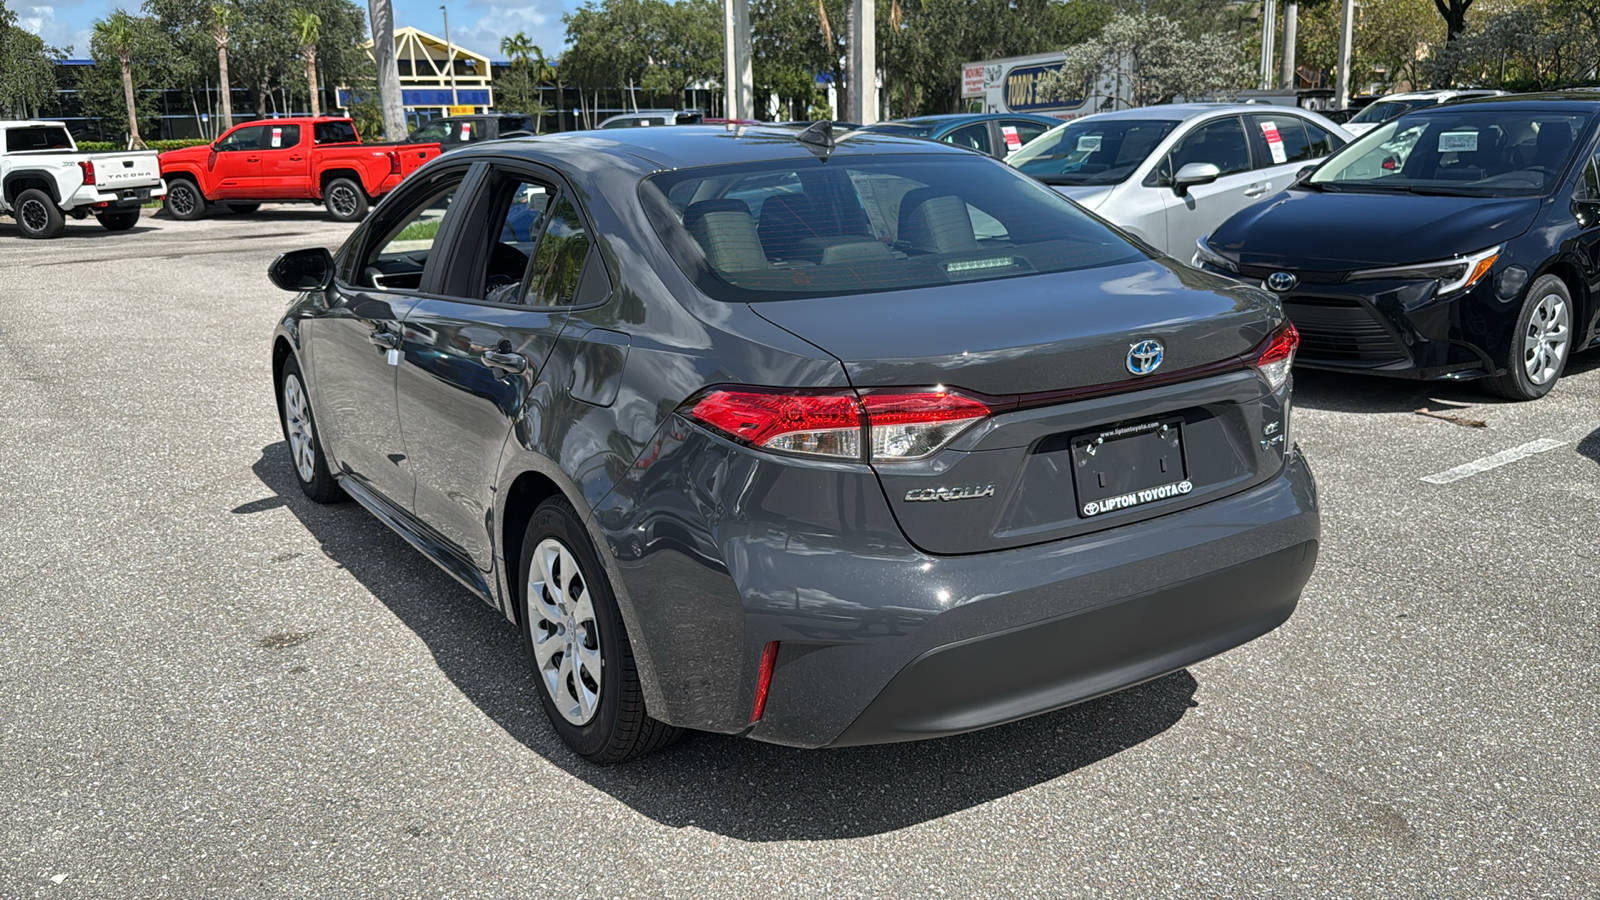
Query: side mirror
[
  {"x": 1304, "y": 173},
  {"x": 303, "y": 270},
  {"x": 1192, "y": 174},
  {"x": 1587, "y": 212}
]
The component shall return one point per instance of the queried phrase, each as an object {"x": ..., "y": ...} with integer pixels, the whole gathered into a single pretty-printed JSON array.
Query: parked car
[
  {"x": 43, "y": 179},
  {"x": 997, "y": 134},
  {"x": 842, "y": 473},
  {"x": 1169, "y": 174},
  {"x": 1474, "y": 255},
  {"x": 453, "y": 132},
  {"x": 285, "y": 161},
  {"x": 671, "y": 117},
  {"x": 1385, "y": 108}
]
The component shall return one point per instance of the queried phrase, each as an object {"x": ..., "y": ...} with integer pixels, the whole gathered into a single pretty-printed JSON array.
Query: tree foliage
[
  {"x": 1529, "y": 47},
  {"x": 1146, "y": 59},
  {"x": 27, "y": 74}
]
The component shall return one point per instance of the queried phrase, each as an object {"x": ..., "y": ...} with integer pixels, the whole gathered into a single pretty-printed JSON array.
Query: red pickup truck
[{"x": 286, "y": 160}]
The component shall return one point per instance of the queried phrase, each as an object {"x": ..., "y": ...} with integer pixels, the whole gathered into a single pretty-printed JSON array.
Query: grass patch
[{"x": 424, "y": 230}]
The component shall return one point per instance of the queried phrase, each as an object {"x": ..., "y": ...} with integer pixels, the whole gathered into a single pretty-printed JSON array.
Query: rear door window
[
  {"x": 335, "y": 133},
  {"x": 973, "y": 137},
  {"x": 1279, "y": 139}
]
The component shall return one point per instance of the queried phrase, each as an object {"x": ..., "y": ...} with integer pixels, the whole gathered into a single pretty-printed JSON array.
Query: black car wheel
[
  {"x": 37, "y": 215},
  {"x": 119, "y": 220},
  {"x": 1541, "y": 343},
  {"x": 577, "y": 645},
  {"x": 300, "y": 430},
  {"x": 184, "y": 201},
  {"x": 345, "y": 200},
  {"x": 244, "y": 209}
]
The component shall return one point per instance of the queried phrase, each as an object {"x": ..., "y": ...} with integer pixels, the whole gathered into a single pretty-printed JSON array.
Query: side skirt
[{"x": 421, "y": 537}]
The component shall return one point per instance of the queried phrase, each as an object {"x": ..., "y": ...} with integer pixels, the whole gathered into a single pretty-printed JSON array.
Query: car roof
[
  {"x": 1556, "y": 101},
  {"x": 943, "y": 118},
  {"x": 1442, "y": 93},
  {"x": 647, "y": 150},
  {"x": 30, "y": 123},
  {"x": 1182, "y": 112}
]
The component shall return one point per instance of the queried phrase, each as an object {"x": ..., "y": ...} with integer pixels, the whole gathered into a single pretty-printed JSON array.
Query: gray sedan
[{"x": 1170, "y": 174}]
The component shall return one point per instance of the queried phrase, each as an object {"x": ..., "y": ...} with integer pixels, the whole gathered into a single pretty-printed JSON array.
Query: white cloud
[
  {"x": 41, "y": 20},
  {"x": 495, "y": 19}
]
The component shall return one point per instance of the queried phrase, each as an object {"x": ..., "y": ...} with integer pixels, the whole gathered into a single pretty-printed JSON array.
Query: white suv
[{"x": 1383, "y": 109}]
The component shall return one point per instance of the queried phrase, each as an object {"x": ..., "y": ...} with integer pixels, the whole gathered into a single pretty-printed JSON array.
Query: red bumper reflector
[{"x": 763, "y": 681}]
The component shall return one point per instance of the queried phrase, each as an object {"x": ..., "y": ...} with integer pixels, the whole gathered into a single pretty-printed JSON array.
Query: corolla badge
[
  {"x": 1145, "y": 356},
  {"x": 1282, "y": 282},
  {"x": 975, "y": 492}
]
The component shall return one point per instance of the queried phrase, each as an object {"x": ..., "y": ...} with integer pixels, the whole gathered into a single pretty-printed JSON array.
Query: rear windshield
[
  {"x": 1092, "y": 151},
  {"x": 1384, "y": 110},
  {"x": 24, "y": 140},
  {"x": 806, "y": 228},
  {"x": 1468, "y": 151}
]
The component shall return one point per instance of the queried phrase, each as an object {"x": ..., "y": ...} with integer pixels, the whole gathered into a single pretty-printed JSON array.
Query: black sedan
[
  {"x": 824, "y": 444},
  {"x": 1456, "y": 242}
]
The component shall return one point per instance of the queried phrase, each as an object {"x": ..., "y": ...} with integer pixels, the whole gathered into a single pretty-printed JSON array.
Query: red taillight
[
  {"x": 88, "y": 170},
  {"x": 763, "y": 681},
  {"x": 889, "y": 425},
  {"x": 394, "y": 163},
  {"x": 1274, "y": 362}
]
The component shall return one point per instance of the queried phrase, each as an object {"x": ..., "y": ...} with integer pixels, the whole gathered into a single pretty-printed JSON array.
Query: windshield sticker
[
  {"x": 1013, "y": 140},
  {"x": 1269, "y": 130},
  {"x": 466, "y": 131},
  {"x": 1458, "y": 142},
  {"x": 1089, "y": 143},
  {"x": 277, "y": 137}
]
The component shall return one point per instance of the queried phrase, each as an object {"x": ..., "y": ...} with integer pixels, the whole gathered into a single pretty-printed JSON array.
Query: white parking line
[{"x": 1477, "y": 466}]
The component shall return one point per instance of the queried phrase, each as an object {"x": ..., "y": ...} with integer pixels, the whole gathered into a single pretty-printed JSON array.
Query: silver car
[{"x": 1170, "y": 174}]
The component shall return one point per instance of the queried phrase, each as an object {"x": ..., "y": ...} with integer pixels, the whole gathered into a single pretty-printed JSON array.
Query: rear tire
[
  {"x": 120, "y": 220},
  {"x": 572, "y": 630},
  {"x": 184, "y": 201},
  {"x": 37, "y": 215},
  {"x": 305, "y": 444},
  {"x": 345, "y": 200},
  {"x": 1540, "y": 345},
  {"x": 244, "y": 209}
]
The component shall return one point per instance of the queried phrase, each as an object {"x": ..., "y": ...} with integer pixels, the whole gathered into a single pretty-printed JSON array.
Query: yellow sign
[{"x": 463, "y": 110}]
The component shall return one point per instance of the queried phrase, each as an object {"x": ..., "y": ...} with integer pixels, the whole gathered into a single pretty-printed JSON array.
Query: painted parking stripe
[{"x": 1479, "y": 466}]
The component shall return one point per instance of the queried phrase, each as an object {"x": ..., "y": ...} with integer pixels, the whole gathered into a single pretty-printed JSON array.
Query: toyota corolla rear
[{"x": 1050, "y": 466}]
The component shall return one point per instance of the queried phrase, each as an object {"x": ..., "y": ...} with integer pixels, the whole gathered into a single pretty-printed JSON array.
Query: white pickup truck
[{"x": 44, "y": 178}]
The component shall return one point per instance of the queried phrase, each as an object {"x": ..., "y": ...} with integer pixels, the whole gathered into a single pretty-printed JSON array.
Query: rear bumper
[{"x": 95, "y": 195}]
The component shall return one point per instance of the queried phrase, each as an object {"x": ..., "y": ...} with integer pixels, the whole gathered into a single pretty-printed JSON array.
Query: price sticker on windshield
[
  {"x": 1269, "y": 130},
  {"x": 1458, "y": 142},
  {"x": 1013, "y": 140},
  {"x": 466, "y": 131},
  {"x": 277, "y": 137},
  {"x": 1089, "y": 143}
]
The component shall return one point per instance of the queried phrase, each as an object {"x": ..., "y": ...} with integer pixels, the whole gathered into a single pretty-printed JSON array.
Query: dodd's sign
[{"x": 1022, "y": 89}]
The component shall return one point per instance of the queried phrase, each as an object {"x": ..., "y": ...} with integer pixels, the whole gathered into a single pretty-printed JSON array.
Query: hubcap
[
  {"x": 34, "y": 215},
  {"x": 297, "y": 425},
  {"x": 343, "y": 200},
  {"x": 566, "y": 637},
  {"x": 1544, "y": 345},
  {"x": 181, "y": 199}
]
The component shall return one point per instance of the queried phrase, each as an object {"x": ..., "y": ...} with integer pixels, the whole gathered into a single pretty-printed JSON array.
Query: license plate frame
[{"x": 1129, "y": 466}]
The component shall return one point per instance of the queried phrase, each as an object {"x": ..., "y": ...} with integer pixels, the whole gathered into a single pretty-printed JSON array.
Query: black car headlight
[
  {"x": 1204, "y": 255},
  {"x": 1452, "y": 274}
]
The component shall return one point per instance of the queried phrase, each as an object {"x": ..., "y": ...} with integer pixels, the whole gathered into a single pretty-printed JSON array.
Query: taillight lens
[
  {"x": 1274, "y": 362},
  {"x": 88, "y": 171},
  {"x": 885, "y": 426},
  {"x": 394, "y": 163}
]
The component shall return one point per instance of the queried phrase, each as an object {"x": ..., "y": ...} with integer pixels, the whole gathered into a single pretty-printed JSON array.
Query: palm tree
[
  {"x": 543, "y": 73},
  {"x": 222, "y": 19},
  {"x": 517, "y": 48},
  {"x": 121, "y": 36},
  {"x": 308, "y": 30}
]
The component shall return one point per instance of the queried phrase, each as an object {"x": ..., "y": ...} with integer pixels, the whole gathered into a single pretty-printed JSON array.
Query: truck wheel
[
  {"x": 244, "y": 209},
  {"x": 119, "y": 220},
  {"x": 345, "y": 200},
  {"x": 38, "y": 215},
  {"x": 184, "y": 201}
]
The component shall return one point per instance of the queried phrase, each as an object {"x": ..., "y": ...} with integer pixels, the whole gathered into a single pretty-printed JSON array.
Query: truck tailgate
[{"x": 129, "y": 169}]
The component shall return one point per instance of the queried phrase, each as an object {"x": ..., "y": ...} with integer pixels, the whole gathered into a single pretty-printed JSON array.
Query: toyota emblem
[
  {"x": 1282, "y": 282},
  {"x": 1145, "y": 356}
]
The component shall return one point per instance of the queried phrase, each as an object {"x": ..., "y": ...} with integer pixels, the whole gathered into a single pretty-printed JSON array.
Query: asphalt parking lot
[{"x": 212, "y": 687}]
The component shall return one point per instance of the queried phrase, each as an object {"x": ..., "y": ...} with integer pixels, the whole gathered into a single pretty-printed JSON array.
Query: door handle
[
  {"x": 252, "y": 159},
  {"x": 296, "y": 158},
  {"x": 388, "y": 340},
  {"x": 1257, "y": 189},
  {"x": 510, "y": 363}
]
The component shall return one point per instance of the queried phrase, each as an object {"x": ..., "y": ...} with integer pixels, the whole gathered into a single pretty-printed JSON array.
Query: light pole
[{"x": 450, "y": 58}]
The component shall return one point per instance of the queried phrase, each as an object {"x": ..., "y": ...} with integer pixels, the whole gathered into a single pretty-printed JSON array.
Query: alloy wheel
[
  {"x": 181, "y": 198},
  {"x": 33, "y": 215},
  {"x": 1546, "y": 341},
  {"x": 566, "y": 635},
  {"x": 297, "y": 422},
  {"x": 343, "y": 201}
]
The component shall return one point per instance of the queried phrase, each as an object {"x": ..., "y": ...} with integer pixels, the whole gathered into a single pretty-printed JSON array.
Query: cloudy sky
[{"x": 474, "y": 24}]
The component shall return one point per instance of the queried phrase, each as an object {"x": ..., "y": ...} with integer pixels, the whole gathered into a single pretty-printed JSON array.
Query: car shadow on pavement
[
  {"x": 1352, "y": 392},
  {"x": 222, "y": 215},
  {"x": 734, "y": 787},
  {"x": 77, "y": 231}
]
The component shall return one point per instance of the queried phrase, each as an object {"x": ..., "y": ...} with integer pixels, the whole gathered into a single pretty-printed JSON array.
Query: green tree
[
  {"x": 307, "y": 31},
  {"x": 518, "y": 89},
  {"x": 223, "y": 18},
  {"x": 129, "y": 40},
  {"x": 27, "y": 71},
  {"x": 1146, "y": 60}
]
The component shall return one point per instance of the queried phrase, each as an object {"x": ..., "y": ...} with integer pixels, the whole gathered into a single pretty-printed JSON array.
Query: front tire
[
  {"x": 1541, "y": 343},
  {"x": 120, "y": 220},
  {"x": 345, "y": 200},
  {"x": 184, "y": 201},
  {"x": 300, "y": 431},
  {"x": 577, "y": 645},
  {"x": 37, "y": 215}
]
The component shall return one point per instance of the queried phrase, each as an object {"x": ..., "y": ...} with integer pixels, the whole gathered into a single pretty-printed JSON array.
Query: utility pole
[
  {"x": 863, "y": 74},
  {"x": 1347, "y": 27},
  {"x": 450, "y": 58},
  {"x": 1269, "y": 36},
  {"x": 1291, "y": 21},
  {"x": 738, "y": 83}
]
